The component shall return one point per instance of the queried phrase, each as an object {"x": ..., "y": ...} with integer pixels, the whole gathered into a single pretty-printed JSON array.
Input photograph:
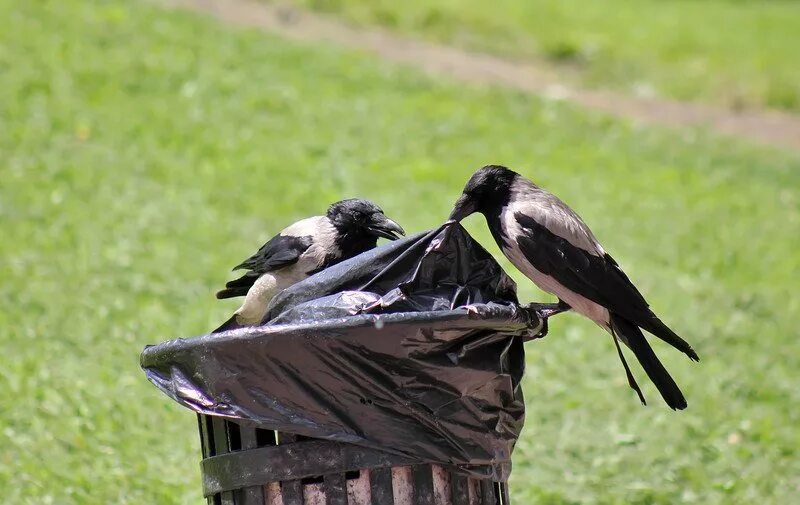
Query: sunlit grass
[
  {"x": 729, "y": 52},
  {"x": 144, "y": 152}
]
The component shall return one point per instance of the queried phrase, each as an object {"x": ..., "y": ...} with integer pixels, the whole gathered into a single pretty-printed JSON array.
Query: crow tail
[
  {"x": 655, "y": 326},
  {"x": 632, "y": 336}
]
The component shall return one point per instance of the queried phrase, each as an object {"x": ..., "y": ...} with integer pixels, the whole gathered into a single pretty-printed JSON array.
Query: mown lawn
[
  {"x": 144, "y": 152},
  {"x": 731, "y": 52}
]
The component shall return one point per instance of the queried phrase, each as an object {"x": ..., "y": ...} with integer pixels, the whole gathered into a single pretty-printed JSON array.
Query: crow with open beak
[
  {"x": 349, "y": 228},
  {"x": 553, "y": 247}
]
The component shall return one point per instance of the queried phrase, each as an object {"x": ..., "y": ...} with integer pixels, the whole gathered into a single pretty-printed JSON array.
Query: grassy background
[
  {"x": 737, "y": 53},
  {"x": 143, "y": 152}
]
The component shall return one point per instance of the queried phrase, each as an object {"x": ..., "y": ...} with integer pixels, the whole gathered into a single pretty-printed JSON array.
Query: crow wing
[
  {"x": 280, "y": 251},
  {"x": 597, "y": 277}
]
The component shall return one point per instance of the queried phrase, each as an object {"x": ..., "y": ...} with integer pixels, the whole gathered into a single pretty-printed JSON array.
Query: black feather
[
  {"x": 655, "y": 326},
  {"x": 238, "y": 287},
  {"x": 245, "y": 281},
  {"x": 632, "y": 336},
  {"x": 223, "y": 294},
  {"x": 597, "y": 278},
  {"x": 230, "y": 324},
  {"x": 651, "y": 323},
  {"x": 278, "y": 252},
  {"x": 631, "y": 379}
]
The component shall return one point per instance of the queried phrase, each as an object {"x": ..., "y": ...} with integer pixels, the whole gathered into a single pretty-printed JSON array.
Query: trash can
[
  {"x": 244, "y": 465},
  {"x": 391, "y": 378}
]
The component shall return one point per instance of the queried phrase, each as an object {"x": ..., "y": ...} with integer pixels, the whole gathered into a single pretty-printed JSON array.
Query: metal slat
[
  {"x": 202, "y": 426},
  {"x": 380, "y": 486},
  {"x": 291, "y": 490},
  {"x": 220, "y": 436},
  {"x": 487, "y": 493},
  {"x": 249, "y": 437},
  {"x": 474, "y": 489},
  {"x": 460, "y": 487},
  {"x": 208, "y": 433},
  {"x": 289, "y": 462},
  {"x": 240, "y": 477},
  {"x": 250, "y": 495},
  {"x": 336, "y": 489},
  {"x": 422, "y": 477},
  {"x": 208, "y": 442}
]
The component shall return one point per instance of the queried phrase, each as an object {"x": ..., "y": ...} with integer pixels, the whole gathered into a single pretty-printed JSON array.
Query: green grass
[
  {"x": 730, "y": 52},
  {"x": 144, "y": 152}
]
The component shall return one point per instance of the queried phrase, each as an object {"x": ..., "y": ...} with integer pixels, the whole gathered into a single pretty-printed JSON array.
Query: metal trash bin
[
  {"x": 244, "y": 465},
  {"x": 401, "y": 368}
]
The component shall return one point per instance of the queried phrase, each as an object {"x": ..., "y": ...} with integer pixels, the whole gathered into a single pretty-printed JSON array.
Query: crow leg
[
  {"x": 546, "y": 310},
  {"x": 542, "y": 312}
]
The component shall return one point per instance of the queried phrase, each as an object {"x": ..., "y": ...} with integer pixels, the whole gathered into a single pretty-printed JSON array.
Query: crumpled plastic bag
[{"x": 414, "y": 348}]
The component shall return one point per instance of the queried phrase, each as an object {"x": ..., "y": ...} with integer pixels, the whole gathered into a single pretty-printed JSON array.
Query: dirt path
[{"x": 767, "y": 127}]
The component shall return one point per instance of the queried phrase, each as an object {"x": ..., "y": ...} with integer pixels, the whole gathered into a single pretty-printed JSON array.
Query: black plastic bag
[{"x": 414, "y": 348}]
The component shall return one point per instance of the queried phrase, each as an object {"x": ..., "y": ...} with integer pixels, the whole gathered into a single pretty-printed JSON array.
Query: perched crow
[
  {"x": 553, "y": 247},
  {"x": 349, "y": 228}
]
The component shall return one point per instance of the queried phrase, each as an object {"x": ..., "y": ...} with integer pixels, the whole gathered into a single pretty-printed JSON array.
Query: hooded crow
[
  {"x": 553, "y": 247},
  {"x": 349, "y": 228}
]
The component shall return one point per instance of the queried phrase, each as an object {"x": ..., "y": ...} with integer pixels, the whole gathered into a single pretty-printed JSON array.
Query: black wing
[
  {"x": 278, "y": 252},
  {"x": 598, "y": 278}
]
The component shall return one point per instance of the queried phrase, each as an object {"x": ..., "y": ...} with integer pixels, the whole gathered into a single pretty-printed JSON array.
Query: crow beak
[
  {"x": 463, "y": 208},
  {"x": 382, "y": 226}
]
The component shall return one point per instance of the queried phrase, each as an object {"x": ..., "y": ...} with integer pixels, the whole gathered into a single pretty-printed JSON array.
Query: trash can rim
[{"x": 511, "y": 318}]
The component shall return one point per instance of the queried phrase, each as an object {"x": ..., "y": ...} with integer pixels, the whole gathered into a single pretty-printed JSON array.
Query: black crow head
[
  {"x": 487, "y": 189},
  {"x": 357, "y": 217}
]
